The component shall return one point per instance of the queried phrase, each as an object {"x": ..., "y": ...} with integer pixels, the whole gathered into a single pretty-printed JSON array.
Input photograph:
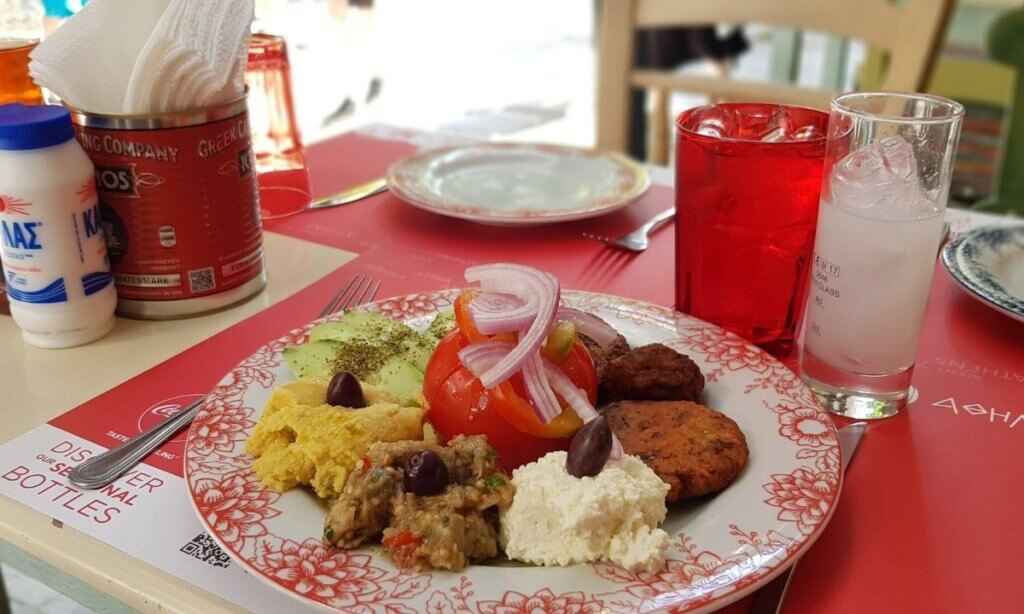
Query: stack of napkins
[{"x": 147, "y": 56}]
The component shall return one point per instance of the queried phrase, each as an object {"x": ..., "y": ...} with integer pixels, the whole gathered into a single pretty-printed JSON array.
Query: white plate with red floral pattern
[
  {"x": 518, "y": 184},
  {"x": 723, "y": 547}
]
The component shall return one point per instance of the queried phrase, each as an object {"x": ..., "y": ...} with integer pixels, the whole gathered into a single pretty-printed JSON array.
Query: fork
[
  {"x": 345, "y": 300},
  {"x": 638, "y": 240},
  {"x": 104, "y": 468}
]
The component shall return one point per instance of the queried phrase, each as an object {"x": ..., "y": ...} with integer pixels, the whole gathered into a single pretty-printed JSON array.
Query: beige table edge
[
  {"x": 143, "y": 587},
  {"x": 134, "y": 583}
]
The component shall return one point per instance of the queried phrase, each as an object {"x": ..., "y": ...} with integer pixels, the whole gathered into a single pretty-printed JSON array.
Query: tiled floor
[{"x": 30, "y": 597}]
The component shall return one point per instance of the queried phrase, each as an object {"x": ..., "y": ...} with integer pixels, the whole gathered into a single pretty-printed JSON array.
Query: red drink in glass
[{"x": 748, "y": 179}]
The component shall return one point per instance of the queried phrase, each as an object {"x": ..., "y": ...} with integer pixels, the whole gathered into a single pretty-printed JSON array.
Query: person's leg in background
[{"x": 668, "y": 49}]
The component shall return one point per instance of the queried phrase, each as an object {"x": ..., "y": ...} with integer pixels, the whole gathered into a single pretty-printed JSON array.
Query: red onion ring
[
  {"x": 578, "y": 401},
  {"x": 538, "y": 387},
  {"x": 495, "y": 313},
  {"x": 535, "y": 288},
  {"x": 591, "y": 326},
  {"x": 481, "y": 356}
]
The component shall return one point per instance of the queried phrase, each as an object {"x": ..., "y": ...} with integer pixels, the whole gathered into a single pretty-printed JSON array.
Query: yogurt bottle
[{"x": 55, "y": 262}]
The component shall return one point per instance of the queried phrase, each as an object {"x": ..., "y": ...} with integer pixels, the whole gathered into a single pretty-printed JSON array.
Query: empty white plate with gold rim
[{"x": 518, "y": 184}]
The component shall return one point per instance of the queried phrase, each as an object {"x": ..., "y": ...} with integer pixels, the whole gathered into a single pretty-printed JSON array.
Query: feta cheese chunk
[{"x": 558, "y": 519}]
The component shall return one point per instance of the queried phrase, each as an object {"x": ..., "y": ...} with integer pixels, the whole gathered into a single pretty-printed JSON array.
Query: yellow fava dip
[{"x": 300, "y": 439}]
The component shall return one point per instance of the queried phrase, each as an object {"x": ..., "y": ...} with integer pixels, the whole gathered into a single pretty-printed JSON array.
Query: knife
[
  {"x": 769, "y": 599},
  {"x": 352, "y": 194}
]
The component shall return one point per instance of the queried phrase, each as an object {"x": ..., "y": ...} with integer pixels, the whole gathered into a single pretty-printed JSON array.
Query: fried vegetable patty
[{"x": 694, "y": 449}]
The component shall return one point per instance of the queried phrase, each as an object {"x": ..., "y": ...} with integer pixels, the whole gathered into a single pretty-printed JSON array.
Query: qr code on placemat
[
  {"x": 201, "y": 280},
  {"x": 203, "y": 548}
]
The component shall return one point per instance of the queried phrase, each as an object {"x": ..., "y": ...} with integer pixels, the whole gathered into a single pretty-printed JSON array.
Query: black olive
[
  {"x": 345, "y": 391},
  {"x": 425, "y": 474},
  {"x": 590, "y": 448}
]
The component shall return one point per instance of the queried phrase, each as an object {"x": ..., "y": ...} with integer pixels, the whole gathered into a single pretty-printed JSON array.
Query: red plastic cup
[
  {"x": 280, "y": 156},
  {"x": 748, "y": 179}
]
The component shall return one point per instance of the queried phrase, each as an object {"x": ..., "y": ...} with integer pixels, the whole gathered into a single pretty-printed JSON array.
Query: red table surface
[{"x": 928, "y": 517}]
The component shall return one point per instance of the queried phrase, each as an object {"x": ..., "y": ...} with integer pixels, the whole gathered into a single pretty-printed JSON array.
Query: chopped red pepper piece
[{"x": 402, "y": 547}]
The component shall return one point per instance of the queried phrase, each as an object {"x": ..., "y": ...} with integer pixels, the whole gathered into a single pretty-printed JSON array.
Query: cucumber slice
[
  {"x": 361, "y": 325},
  {"x": 374, "y": 347},
  {"x": 315, "y": 359},
  {"x": 401, "y": 378},
  {"x": 418, "y": 350},
  {"x": 443, "y": 324}
]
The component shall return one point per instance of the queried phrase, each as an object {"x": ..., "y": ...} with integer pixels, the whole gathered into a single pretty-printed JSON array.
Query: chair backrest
[{"x": 909, "y": 34}]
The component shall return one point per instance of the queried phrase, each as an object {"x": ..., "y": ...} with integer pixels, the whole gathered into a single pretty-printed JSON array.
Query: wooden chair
[{"x": 909, "y": 34}]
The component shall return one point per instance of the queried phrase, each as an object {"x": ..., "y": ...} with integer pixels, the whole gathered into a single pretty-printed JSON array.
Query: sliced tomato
[
  {"x": 459, "y": 404},
  {"x": 509, "y": 398},
  {"x": 462, "y": 406},
  {"x": 443, "y": 362},
  {"x": 465, "y": 319},
  {"x": 518, "y": 412},
  {"x": 579, "y": 366}
]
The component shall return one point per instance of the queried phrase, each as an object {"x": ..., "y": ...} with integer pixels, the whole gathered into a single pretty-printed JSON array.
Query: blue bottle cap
[{"x": 33, "y": 126}]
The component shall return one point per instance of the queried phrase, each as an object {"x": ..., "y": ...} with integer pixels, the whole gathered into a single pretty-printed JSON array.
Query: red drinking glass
[
  {"x": 280, "y": 156},
  {"x": 748, "y": 178}
]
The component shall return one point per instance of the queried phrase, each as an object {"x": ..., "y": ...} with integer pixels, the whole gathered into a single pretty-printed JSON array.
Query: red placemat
[
  {"x": 927, "y": 519},
  {"x": 34, "y": 466},
  {"x": 926, "y": 522},
  {"x": 384, "y": 221},
  {"x": 147, "y": 398}
]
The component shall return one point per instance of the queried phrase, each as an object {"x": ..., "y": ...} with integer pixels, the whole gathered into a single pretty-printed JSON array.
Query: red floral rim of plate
[
  {"x": 251, "y": 523},
  {"x": 403, "y": 181}
]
